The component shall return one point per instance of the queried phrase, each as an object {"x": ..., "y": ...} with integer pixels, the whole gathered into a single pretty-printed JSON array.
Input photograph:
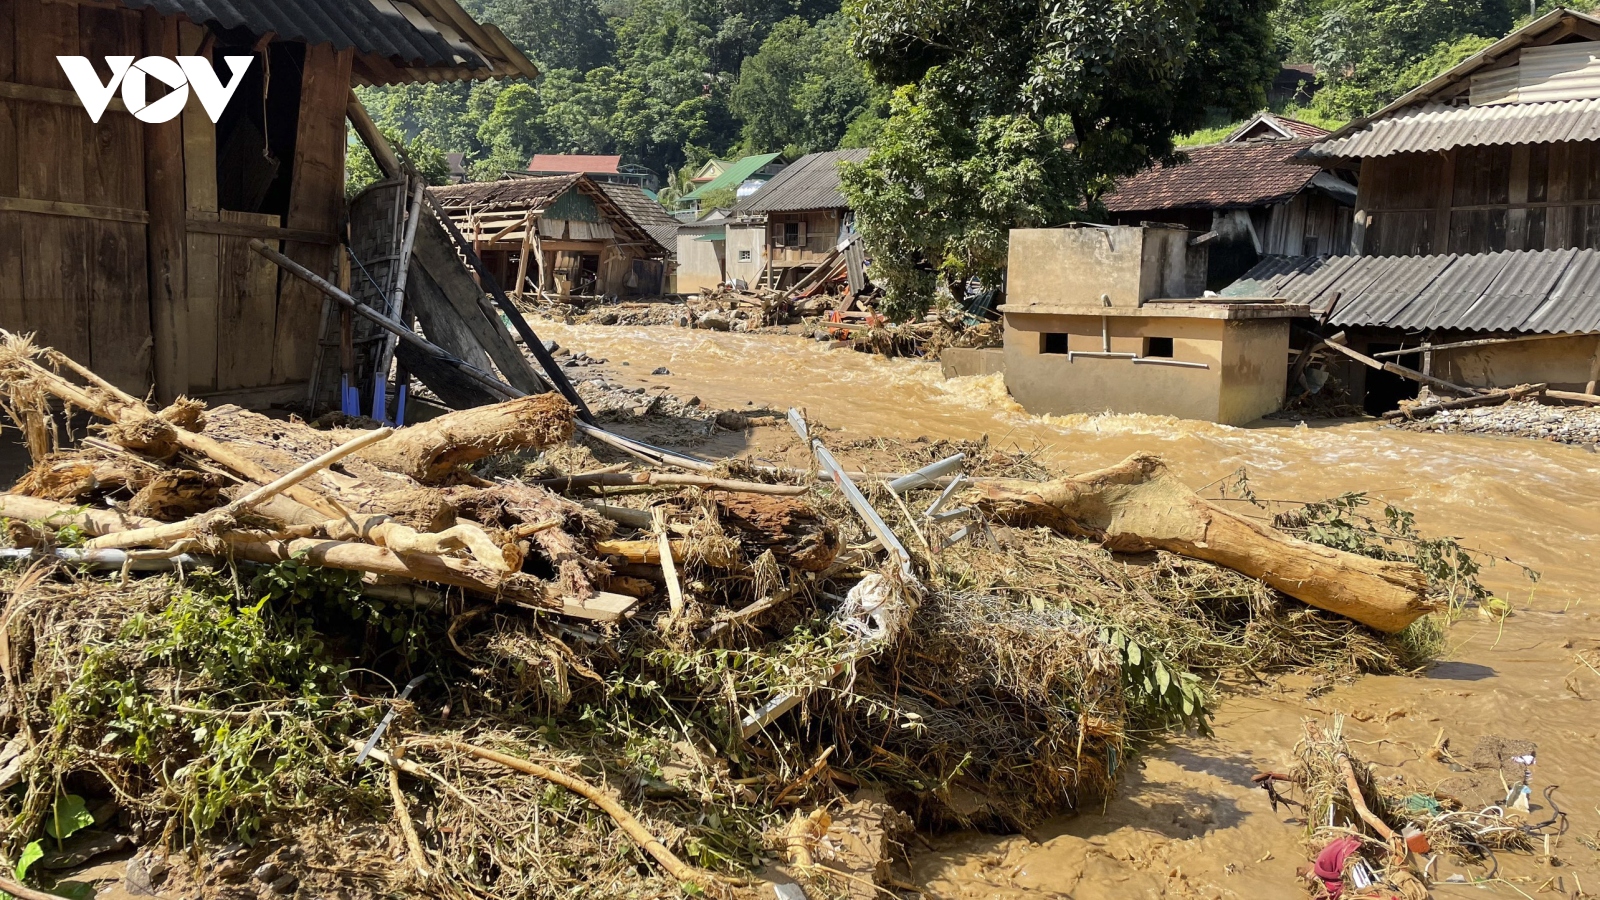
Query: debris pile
[
  {"x": 1377, "y": 836},
  {"x": 1525, "y": 419},
  {"x": 472, "y": 657}
]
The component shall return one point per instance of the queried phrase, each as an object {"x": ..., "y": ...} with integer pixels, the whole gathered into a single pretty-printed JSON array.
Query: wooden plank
[
  {"x": 1517, "y": 218},
  {"x": 8, "y": 124},
  {"x": 202, "y": 259},
  {"x": 316, "y": 203},
  {"x": 55, "y": 172},
  {"x": 118, "y": 304},
  {"x": 53, "y": 284},
  {"x": 437, "y": 255},
  {"x": 114, "y": 147},
  {"x": 13, "y": 316},
  {"x": 73, "y": 210},
  {"x": 1447, "y": 192},
  {"x": 246, "y": 312},
  {"x": 16, "y": 90},
  {"x": 199, "y": 136},
  {"x": 163, "y": 178}
]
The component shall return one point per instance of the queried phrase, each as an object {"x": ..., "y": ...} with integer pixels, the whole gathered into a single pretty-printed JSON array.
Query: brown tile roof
[
  {"x": 557, "y": 162},
  {"x": 650, "y": 215},
  {"x": 1221, "y": 176}
]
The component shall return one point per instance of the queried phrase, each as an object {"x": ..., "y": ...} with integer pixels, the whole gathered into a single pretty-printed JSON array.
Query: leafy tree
[
  {"x": 1019, "y": 114},
  {"x": 556, "y": 34},
  {"x": 361, "y": 170},
  {"x": 803, "y": 89},
  {"x": 1370, "y": 50}
]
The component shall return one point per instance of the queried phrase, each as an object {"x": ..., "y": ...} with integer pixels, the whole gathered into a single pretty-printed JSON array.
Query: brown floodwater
[{"x": 1188, "y": 822}]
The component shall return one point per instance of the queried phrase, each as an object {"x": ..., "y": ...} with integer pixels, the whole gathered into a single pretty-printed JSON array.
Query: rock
[
  {"x": 609, "y": 318},
  {"x": 267, "y": 872},
  {"x": 714, "y": 321},
  {"x": 661, "y": 370},
  {"x": 561, "y": 351},
  {"x": 729, "y": 420},
  {"x": 624, "y": 363},
  {"x": 551, "y": 346},
  {"x": 82, "y": 847},
  {"x": 285, "y": 884},
  {"x": 692, "y": 402}
]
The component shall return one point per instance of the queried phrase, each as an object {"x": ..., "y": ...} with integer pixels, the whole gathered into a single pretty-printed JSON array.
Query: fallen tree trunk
[
  {"x": 1137, "y": 506},
  {"x": 428, "y": 451},
  {"x": 1494, "y": 399}
]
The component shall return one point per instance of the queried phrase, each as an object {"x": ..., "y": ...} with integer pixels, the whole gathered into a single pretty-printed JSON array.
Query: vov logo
[{"x": 180, "y": 74}]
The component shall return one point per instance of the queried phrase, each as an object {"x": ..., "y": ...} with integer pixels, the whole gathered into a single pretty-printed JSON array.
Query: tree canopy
[{"x": 1016, "y": 114}]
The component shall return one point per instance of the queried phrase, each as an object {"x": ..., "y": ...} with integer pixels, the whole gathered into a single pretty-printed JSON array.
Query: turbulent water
[{"x": 1189, "y": 823}]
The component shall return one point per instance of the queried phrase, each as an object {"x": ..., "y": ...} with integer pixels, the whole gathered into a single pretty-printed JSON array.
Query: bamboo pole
[{"x": 396, "y": 307}]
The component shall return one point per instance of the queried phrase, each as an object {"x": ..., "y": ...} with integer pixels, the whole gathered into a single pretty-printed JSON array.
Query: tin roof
[
  {"x": 734, "y": 175},
  {"x": 1437, "y": 127},
  {"x": 536, "y": 195},
  {"x": 650, "y": 215},
  {"x": 412, "y": 40},
  {"x": 1553, "y": 291},
  {"x": 1219, "y": 176},
  {"x": 810, "y": 182}
]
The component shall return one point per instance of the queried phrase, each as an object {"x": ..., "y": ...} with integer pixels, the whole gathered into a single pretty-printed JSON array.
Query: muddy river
[{"x": 1188, "y": 822}]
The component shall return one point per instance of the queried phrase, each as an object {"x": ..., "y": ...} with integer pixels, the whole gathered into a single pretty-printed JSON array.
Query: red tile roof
[
  {"x": 1221, "y": 176},
  {"x": 559, "y": 163}
]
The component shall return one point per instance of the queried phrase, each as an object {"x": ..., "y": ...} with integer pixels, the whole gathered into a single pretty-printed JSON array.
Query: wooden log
[
  {"x": 1494, "y": 399},
  {"x": 1590, "y": 399},
  {"x": 58, "y": 515},
  {"x": 165, "y": 534},
  {"x": 428, "y": 451},
  {"x": 1137, "y": 506}
]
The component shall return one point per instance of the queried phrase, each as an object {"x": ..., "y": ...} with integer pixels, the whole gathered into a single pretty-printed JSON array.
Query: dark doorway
[
  {"x": 1385, "y": 390},
  {"x": 256, "y": 134}
]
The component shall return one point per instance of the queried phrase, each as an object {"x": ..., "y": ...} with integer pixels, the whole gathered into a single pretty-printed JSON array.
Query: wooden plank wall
[
  {"x": 1483, "y": 199},
  {"x": 1311, "y": 224},
  {"x": 315, "y": 204},
  {"x": 72, "y": 196}
]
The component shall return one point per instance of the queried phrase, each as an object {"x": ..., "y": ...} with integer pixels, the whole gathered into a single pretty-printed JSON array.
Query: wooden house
[
  {"x": 125, "y": 244},
  {"x": 1252, "y": 191},
  {"x": 562, "y": 234},
  {"x": 792, "y": 224},
  {"x": 1477, "y": 219}
]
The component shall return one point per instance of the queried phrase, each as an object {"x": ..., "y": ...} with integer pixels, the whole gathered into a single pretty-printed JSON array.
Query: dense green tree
[
  {"x": 556, "y": 34},
  {"x": 1020, "y": 114},
  {"x": 803, "y": 89}
]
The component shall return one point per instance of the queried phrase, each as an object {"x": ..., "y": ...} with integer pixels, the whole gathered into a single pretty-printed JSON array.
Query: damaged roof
[
  {"x": 1539, "y": 291},
  {"x": 420, "y": 40},
  {"x": 810, "y": 182},
  {"x": 650, "y": 215},
  {"x": 1219, "y": 176},
  {"x": 536, "y": 195}
]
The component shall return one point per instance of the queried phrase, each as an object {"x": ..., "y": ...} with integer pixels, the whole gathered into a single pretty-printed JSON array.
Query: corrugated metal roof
[
  {"x": 1551, "y": 291},
  {"x": 734, "y": 175},
  {"x": 432, "y": 35},
  {"x": 811, "y": 182},
  {"x": 1435, "y": 127}
]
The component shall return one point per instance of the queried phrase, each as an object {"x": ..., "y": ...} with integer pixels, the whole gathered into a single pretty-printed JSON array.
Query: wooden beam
[
  {"x": 372, "y": 136},
  {"x": 73, "y": 210},
  {"x": 1402, "y": 371},
  {"x": 205, "y": 225},
  {"x": 10, "y": 90},
  {"x": 167, "y": 242}
]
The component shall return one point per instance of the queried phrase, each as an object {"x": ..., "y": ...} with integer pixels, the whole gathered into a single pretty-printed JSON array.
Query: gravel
[{"x": 1563, "y": 424}]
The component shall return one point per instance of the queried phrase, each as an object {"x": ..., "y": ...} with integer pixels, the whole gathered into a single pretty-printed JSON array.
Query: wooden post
[
  {"x": 1439, "y": 242},
  {"x": 166, "y": 235},
  {"x": 522, "y": 262},
  {"x": 1594, "y": 369}
]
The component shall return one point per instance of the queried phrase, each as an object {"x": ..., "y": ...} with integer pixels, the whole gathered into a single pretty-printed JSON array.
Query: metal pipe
[{"x": 924, "y": 477}]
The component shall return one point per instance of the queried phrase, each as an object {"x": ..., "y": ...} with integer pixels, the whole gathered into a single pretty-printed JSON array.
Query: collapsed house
[
  {"x": 562, "y": 235},
  {"x": 1476, "y": 237},
  {"x": 1252, "y": 191},
  {"x": 793, "y": 225},
  {"x": 127, "y": 244}
]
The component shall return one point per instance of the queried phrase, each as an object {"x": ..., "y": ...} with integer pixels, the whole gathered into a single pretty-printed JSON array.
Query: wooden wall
[
  {"x": 72, "y": 193},
  {"x": 113, "y": 247},
  {"x": 1312, "y": 224},
  {"x": 1481, "y": 199}
]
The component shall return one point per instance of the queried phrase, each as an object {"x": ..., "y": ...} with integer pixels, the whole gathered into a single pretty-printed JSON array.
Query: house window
[
  {"x": 1158, "y": 347},
  {"x": 1053, "y": 343},
  {"x": 791, "y": 234},
  {"x": 744, "y": 256}
]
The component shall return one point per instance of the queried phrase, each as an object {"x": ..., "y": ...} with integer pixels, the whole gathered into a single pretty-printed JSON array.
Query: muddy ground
[{"x": 1189, "y": 822}]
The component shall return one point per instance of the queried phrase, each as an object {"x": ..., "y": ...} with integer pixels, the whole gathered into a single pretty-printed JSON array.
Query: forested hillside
[{"x": 985, "y": 114}]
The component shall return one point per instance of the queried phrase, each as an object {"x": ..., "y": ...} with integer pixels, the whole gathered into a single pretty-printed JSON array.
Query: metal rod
[
  {"x": 879, "y": 528},
  {"x": 924, "y": 477}
]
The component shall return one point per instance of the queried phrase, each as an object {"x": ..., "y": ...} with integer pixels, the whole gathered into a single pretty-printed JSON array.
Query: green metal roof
[
  {"x": 736, "y": 174},
  {"x": 721, "y": 234}
]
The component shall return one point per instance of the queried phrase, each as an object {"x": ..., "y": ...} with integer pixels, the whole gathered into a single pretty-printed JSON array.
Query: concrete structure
[
  {"x": 1108, "y": 319},
  {"x": 702, "y": 250}
]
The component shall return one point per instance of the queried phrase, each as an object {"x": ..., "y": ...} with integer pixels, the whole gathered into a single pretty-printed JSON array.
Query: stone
[
  {"x": 661, "y": 370},
  {"x": 285, "y": 884},
  {"x": 732, "y": 421},
  {"x": 551, "y": 346}
]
